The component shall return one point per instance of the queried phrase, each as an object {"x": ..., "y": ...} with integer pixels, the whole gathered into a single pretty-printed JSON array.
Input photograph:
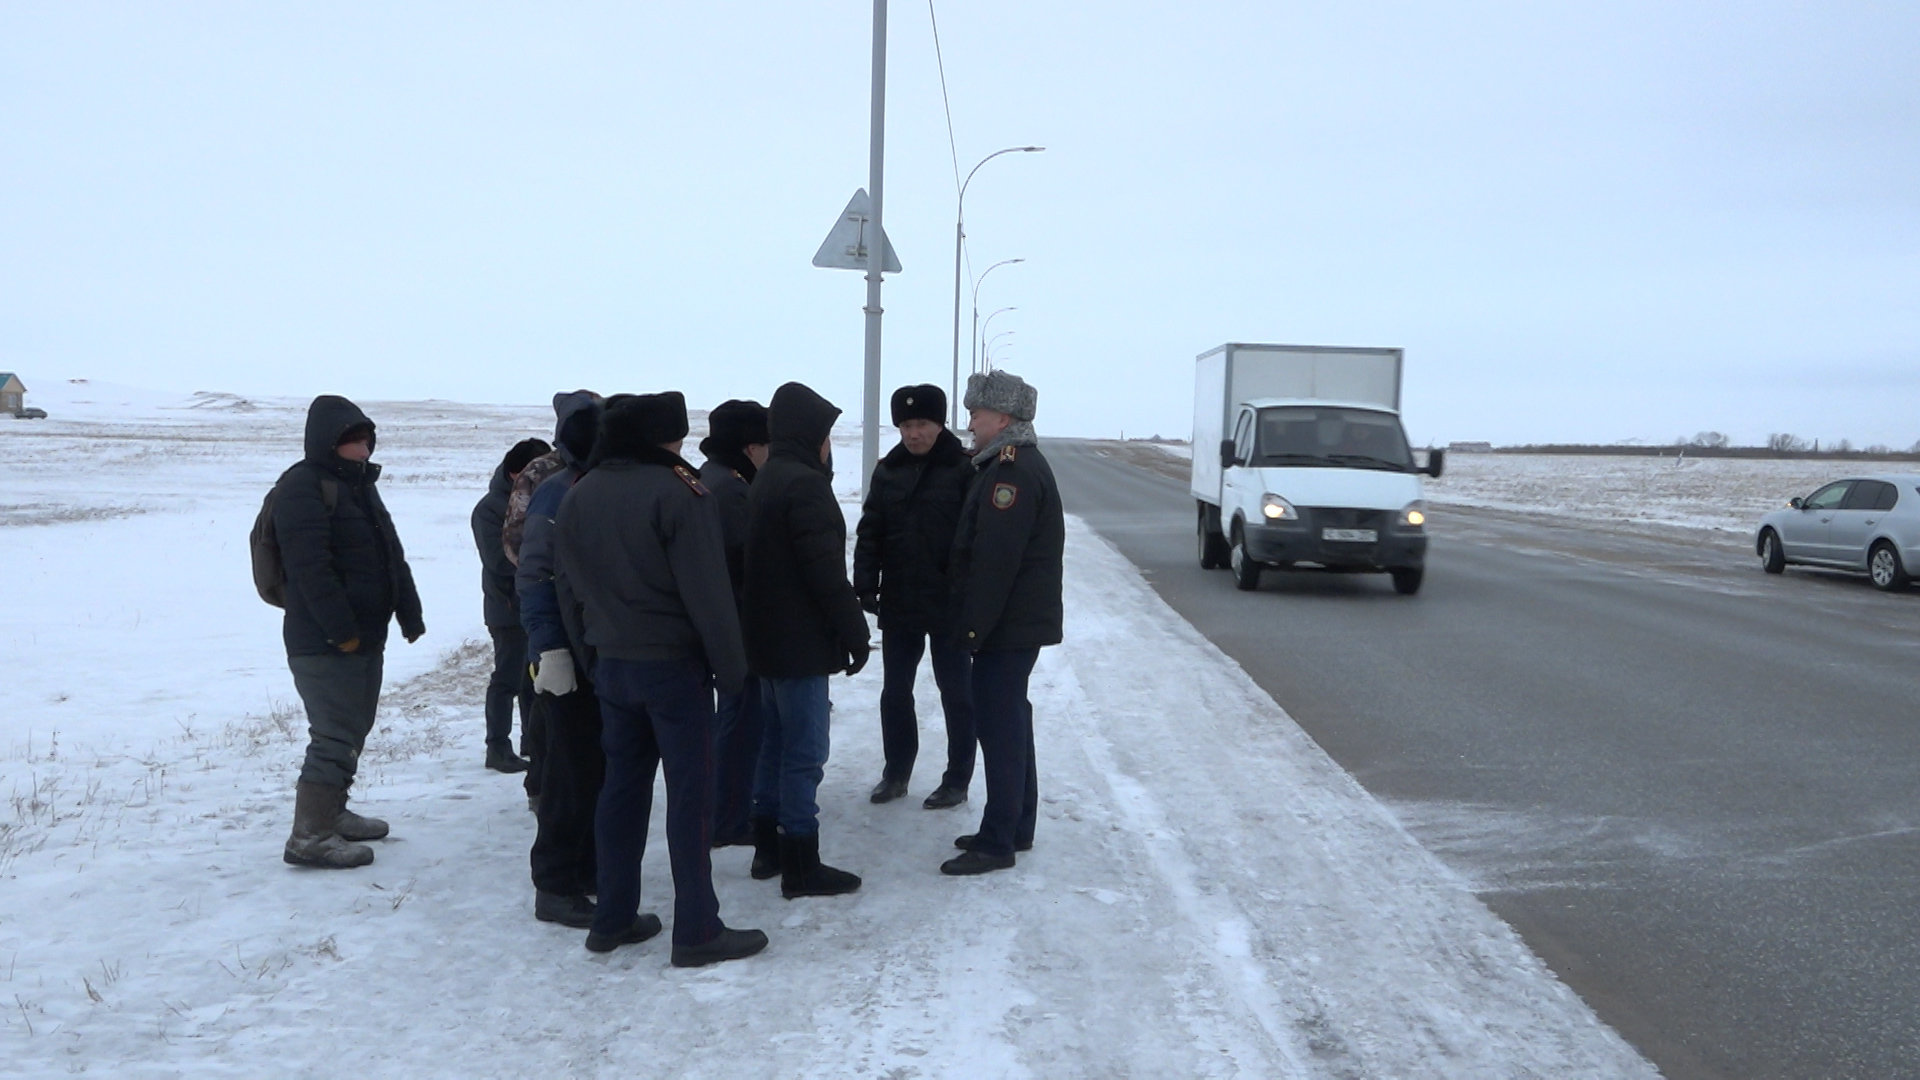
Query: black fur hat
[
  {"x": 643, "y": 419},
  {"x": 923, "y": 402},
  {"x": 738, "y": 423}
]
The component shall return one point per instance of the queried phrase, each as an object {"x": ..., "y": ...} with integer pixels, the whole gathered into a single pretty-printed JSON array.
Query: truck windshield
[{"x": 1311, "y": 435}]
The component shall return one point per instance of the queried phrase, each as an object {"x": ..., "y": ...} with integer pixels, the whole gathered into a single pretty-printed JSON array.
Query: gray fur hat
[{"x": 1002, "y": 391}]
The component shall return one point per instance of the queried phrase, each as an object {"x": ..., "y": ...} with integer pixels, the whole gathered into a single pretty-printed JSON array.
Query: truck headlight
[
  {"x": 1414, "y": 515},
  {"x": 1277, "y": 508}
]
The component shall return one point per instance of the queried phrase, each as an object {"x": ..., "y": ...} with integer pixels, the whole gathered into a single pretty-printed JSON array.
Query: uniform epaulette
[
  {"x": 692, "y": 481},
  {"x": 1007, "y": 452}
]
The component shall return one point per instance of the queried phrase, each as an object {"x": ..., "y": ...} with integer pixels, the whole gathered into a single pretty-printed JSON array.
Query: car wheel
[
  {"x": 1772, "y": 558},
  {"x": 1406, "y": 581},
  {"x": 1246, "y": 571},
  {"x": 1213, "y": 555},
  {"x": 1883, "y": 564}
]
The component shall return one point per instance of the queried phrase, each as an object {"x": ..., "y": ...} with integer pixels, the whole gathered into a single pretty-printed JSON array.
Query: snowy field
[
  {"x": 1209, "y": 895},
  {"x": 1721, "y": 495}
]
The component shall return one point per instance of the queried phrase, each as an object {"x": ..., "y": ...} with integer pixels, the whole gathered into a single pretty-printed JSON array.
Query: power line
[{"x": 941, "y": 62}]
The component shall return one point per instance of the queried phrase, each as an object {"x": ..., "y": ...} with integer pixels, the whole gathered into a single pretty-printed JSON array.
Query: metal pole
[
  {"x": 959, "y": 238},
  {"x": 876, "y": 250}
]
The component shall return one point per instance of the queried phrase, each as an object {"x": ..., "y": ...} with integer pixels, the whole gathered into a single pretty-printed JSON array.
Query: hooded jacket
[
  {"x": 799, "y": 610},
  {"x": 905, "y": 535},
  {"x": 639, "y": 567},
  {"x": 577, "y": 423},
  {"x": 347, "y": 576},
  {"x": 502, "y": 606}
]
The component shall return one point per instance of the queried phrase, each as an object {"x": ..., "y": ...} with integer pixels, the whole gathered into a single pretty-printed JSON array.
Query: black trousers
[
  {"x": 656, "y": 713},
  {"x": 736, "y": 750},
  {"x": 572, "y": 771},
  {"x": 507, "y": 686},
  {"x": 1004, "y": 717},
  {"x": 900, "y": 654}
]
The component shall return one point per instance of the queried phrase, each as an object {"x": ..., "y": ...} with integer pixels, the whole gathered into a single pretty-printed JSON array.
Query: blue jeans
[
  {"x": 900, "y": 729},
  {"x": 736, "y": 752},
  {"x": 1005, "y": 719},
  {"x": 653, "y": 713},
  {"x": 794, "y": 714}
]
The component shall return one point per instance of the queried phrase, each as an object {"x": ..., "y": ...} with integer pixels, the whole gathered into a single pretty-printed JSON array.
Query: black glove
[
  {"x": 870, "y": 603},
  {"x": 859, "y": 658}
]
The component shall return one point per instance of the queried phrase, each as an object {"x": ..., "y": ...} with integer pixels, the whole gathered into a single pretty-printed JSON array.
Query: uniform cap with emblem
[
  {"x": 923, "y": 402},
  {"x": 1002, "y": 391}
]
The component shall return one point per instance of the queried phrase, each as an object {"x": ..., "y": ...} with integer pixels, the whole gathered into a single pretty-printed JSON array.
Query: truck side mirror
[
  {"x": 1436, "y": 461},
  {"x": 1227, "y": 460}
]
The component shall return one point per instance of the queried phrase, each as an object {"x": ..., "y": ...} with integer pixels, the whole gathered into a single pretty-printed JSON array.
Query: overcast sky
[{"x": 1582, "y": 221}]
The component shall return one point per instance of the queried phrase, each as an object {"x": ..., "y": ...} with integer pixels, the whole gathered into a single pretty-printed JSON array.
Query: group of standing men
[{"x": 688, "y": 620}]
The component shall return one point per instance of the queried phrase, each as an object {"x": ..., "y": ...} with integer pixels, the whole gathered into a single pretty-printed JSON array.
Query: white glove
[{"x": 554, "y": 673}]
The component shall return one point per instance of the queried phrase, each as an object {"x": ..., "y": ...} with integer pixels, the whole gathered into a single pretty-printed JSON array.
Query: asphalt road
[{"x": 1692, "y": 788}]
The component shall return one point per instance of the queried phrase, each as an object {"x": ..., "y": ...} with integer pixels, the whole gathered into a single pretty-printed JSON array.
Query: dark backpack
[{"x": 269, "y": 570}]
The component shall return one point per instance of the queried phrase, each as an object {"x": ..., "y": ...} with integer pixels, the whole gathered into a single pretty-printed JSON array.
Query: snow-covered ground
[{"x": 1209, "y": 895}]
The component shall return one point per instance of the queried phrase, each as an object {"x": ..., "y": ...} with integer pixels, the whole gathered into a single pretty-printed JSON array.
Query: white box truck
[{"x": 1299, "y": 461}]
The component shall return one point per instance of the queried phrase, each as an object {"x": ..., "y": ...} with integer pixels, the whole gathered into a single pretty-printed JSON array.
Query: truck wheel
[
  {"x": 1213, "y": 546},
  {"x": 1406, "y": 581},
  {"x": 1246, "y": 572},
  {"x": 1773, "y": 559}
]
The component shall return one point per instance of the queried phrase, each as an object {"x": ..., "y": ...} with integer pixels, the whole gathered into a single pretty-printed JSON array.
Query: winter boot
[
  {"x": 766, "y": 848},
  {"x": 803, "y": 874},
  {"x": 574, "y": 911},
  {"x": 887, "y": 790},
  {"x": 314, "y": 842},
  {"x": 352, "y": 826},
  {"x": 642, "y": 928},
  {"x": 945, "y": 796},
  {"x": 969, "y": 863},
  {"x": 971, "y": 842},
  {"x": 502, "y": 759},
  {"x": 727, "y": 945}
]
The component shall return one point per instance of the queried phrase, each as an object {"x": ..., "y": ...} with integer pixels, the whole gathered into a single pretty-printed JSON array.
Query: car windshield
[{"x": 1328, "y": 435}]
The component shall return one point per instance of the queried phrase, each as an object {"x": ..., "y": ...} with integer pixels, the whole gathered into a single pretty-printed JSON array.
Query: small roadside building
[{"x": 13, "y": 393}]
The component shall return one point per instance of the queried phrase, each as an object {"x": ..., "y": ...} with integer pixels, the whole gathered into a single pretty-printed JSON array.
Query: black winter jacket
[
  {"x": 1007, "y": 554},
  {"x": 727, "y": 474},
  {"x": 347, "y": 576},
  {"x": 502, "y": 606},
  {"x": 800, "y": 614},
  {"x": 639, "y": 567},
  {"x": 905, "y": 535}
]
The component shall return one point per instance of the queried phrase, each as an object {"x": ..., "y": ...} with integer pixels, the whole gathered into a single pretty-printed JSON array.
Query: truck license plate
[{"x": 1350, "y": 536}]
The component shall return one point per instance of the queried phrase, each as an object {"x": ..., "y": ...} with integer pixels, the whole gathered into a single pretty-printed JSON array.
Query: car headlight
[
  {"x": 1414, "y": 515},
  {"x": 1277, "y": 508}
]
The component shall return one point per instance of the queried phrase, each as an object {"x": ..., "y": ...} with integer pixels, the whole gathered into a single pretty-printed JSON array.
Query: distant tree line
[{"x": 1716, "y": 444}]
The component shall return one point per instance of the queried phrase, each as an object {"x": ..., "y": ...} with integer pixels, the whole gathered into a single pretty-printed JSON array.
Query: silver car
[{"x": 1868, "y": 525}]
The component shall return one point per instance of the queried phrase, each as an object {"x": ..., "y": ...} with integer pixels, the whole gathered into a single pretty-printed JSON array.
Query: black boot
[
  {"x": 945, "y": 796},
  {"x": 727, "y": 945},
  {"x": 887, "y": 791},
  {"x": 502, "y": 759},
  {"x": 574, "y": 911},
  {"x": 971, "y": 842},
  {"x": 969, "y": 863},
  {"x": 803, "y": 874},
  {"x": 642, "y": 928},
  {"x": 314, "y": 842},
  {"x": 766, "y": 849}
]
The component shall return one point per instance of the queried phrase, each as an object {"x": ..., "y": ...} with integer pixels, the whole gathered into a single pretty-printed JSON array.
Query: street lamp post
[
  {"x": 986, "y": 361},
  {"x": 973, "y": 350},
  {"x": 959, "y": 241}
]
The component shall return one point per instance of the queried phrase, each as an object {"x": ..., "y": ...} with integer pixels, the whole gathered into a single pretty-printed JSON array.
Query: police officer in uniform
[{"x": 1006, "y": 568}]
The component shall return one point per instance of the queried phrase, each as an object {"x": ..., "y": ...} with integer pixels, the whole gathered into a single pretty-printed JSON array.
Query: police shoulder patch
[
  {"x": 1004, "y": 496},
  {"x": 1008, "y": 453},
  {"x": 691, "y": 480}
]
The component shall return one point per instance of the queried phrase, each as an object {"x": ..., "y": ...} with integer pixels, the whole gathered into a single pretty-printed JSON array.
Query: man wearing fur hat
[
  {"x": 641, "y": 575},
  {"x": 735, "y": 448},
  {"x": 905, "y": 537},
  {"x": 1007, "y": 580}
]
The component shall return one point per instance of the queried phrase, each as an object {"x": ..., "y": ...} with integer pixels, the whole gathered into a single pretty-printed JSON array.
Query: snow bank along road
[
  {"x": 1693, "y": 789},
  {"x": 1210, "y": 894}
]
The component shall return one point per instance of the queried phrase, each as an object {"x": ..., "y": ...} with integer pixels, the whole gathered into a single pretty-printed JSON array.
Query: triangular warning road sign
[{"x": 845, "y": 247}]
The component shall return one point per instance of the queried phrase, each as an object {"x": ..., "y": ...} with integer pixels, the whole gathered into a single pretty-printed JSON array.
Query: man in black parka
[
  {"x": 735, "y": 448},
  {"x": 347, "y": 578},
  {"x": 1007, "y": 572},
  {"x": 802, "y": 625},
  {"x": 509, "y": 684},
  {"x": 904, "y": 540},
  {"x": 641, "y": 577}
]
